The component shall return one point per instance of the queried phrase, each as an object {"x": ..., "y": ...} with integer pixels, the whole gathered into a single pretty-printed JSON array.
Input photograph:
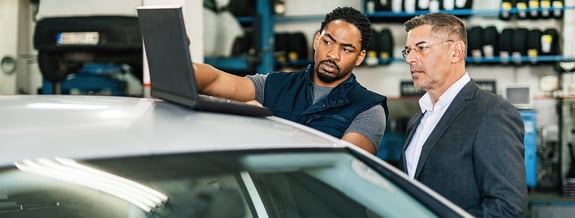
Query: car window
[{"x": 261, "y": 183}]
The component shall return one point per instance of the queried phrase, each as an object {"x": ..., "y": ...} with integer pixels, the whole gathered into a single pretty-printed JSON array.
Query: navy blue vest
[{"x": 290, "y": 96}]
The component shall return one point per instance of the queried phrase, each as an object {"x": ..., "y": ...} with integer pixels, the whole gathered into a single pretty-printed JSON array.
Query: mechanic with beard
[{"x": 326, "y": 95}]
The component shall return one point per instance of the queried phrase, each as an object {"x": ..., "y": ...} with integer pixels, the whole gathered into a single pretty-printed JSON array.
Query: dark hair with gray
[
  {"x": 441, "y": 24},
  {"x": 352, "y": 16}
]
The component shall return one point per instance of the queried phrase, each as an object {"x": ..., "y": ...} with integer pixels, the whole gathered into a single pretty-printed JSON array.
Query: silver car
[{"x": 96, "y": 156}]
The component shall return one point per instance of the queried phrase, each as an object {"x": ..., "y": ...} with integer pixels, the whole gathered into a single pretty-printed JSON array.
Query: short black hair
[{"x": 353, "y": 16}]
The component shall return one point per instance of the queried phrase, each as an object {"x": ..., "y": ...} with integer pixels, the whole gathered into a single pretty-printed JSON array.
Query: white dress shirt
[{"x": 432, "y": 115}]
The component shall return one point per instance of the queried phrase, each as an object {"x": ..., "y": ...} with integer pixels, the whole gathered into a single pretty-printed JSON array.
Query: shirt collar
[{"x": 425, "y": 103}]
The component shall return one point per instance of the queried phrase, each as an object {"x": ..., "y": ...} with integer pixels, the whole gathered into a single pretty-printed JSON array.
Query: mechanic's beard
[{"x": 328, "y": 77}]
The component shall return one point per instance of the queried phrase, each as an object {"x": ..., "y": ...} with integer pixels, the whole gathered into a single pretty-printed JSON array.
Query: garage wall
[
  {"x": 17, "y": 21},
  {"x": 382, "y": 79},
  {"x": 8, "y": 42},
  {"x": 386, "y": 79}
]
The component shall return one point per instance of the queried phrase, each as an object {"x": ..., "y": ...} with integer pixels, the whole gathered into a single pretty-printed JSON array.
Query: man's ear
[
  {"x": 458, "y": 51},
  {"x": 316, "y": 40},
  {"x": 360, "y": 57}
]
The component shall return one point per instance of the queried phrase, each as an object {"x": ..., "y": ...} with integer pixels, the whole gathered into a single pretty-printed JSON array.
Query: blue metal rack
[
  {"x": 530, "y": 141},
  {"x": 264, "y": 23},
  {"x": 265, "y": 20},
  {"x": 460, "y": 12},
  {"x": 91, "y": 78}
]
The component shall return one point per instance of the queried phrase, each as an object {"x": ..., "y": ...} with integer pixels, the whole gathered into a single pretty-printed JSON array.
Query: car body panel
[
  {"x": 166, "y": 146},
  {"x": 100, "y": 126}
]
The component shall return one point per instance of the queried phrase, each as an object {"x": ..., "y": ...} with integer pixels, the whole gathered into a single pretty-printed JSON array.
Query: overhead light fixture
[{"x": 73, "y": 172}]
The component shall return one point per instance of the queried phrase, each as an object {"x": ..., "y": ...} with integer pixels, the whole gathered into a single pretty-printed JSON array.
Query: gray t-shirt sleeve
[
  {"x": 371, "y": 124},
  {"x": 259, "y": 81}
]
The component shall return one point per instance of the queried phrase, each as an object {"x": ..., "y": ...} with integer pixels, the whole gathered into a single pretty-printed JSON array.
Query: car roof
[{"x": 105, "y": 126}]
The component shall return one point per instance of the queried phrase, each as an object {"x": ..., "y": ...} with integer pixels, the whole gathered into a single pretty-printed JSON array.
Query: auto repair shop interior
[{"x": 521, "y": 50}]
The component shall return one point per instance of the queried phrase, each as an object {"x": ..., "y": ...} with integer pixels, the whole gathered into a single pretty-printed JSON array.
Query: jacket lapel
[
  {"x": 459, "y": 103},
  {"x": 411, "y": 126}
]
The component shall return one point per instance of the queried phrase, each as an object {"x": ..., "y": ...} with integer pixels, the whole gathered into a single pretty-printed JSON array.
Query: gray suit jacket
[{"x": 474, "y": 156}]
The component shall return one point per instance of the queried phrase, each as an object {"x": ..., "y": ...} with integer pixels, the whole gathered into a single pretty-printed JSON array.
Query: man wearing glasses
[{"x": 465, "y": 143}]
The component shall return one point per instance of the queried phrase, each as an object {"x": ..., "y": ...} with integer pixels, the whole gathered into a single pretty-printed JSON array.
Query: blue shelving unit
[
  {"x": 522, "y": 59},
  {"x": 264, "y": 22},
  {"x": 530, "y": 141},
  {"x": 482, "y": 13},
  {"x": 509, "y": 60},
  {"x": 228, "y": 64},
  {"x": 459, "y": 12},
  {"x": 91, "y": 78}
]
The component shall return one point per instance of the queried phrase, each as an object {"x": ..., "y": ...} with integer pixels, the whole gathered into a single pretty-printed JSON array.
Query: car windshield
[{"x": 240, "y": 184}]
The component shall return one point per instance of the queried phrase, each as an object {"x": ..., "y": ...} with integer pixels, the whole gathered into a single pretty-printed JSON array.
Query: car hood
[{"x": 104, "y": 126}]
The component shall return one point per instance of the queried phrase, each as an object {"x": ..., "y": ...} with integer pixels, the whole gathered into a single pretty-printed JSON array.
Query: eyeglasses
[{"x": 419, "y": 49}]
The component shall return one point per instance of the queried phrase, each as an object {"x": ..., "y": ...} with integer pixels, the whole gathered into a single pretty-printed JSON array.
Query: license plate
[{"x": 78, "y": 38}]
